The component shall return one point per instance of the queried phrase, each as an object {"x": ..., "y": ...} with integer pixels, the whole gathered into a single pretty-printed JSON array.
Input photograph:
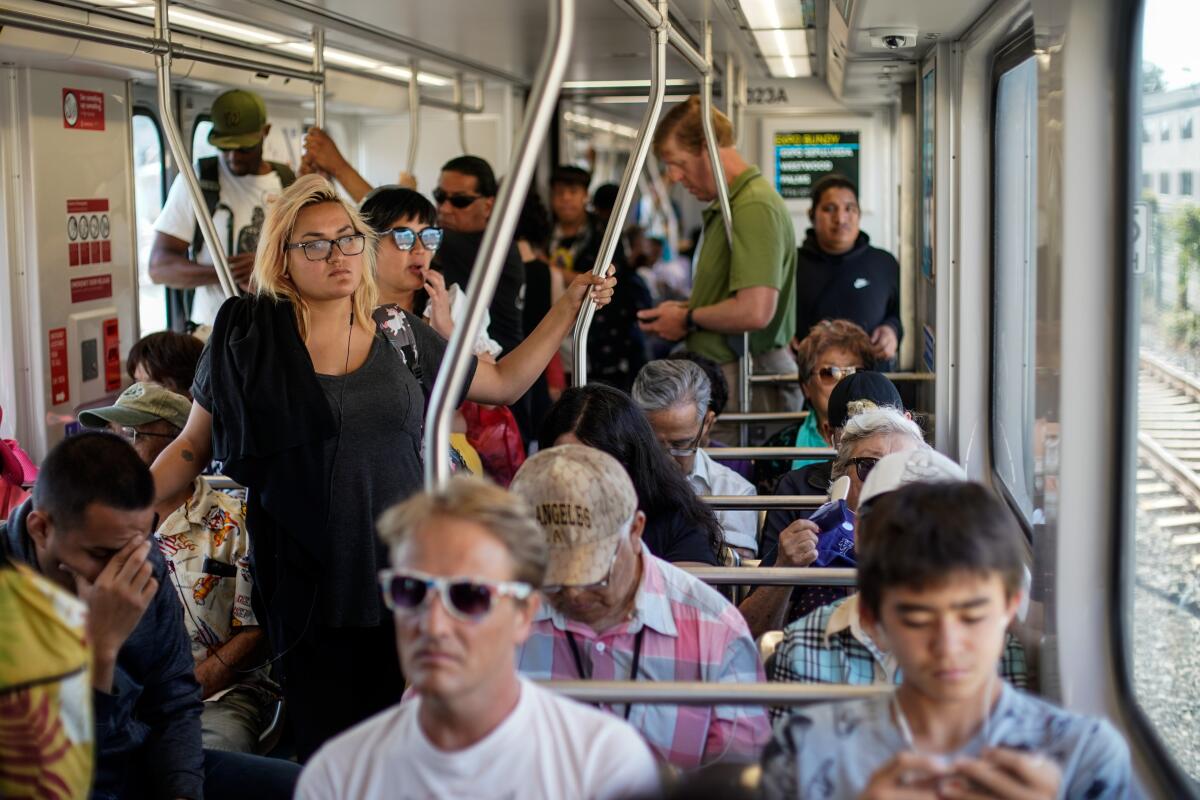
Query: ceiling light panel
[
  {"x": 638, "y": 83},
  {"x": 789, "y": 67},
  {"x": 774, "y": 13},
  {"x": 792, "y": 43}
]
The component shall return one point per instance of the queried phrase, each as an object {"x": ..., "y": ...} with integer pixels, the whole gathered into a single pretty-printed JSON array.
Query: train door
[{"x": 69, "y": 253}]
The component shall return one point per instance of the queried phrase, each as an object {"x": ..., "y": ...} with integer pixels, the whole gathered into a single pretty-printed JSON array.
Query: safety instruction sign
[
  {"x": 60, "y": 391},
  {"x": 804, "y": 157},
  {"x": 93, "y": 287},
  {"x": 83, "y": 110},
  {"x": 88, "y": 232}
]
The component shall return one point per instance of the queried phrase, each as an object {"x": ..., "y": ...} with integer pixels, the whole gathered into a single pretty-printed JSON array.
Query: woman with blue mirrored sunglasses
[{"x": 406, "y": 237}]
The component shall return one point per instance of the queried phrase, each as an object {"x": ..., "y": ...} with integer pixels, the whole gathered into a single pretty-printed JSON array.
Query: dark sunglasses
[
  {"x": 322, "y": 249},
  {"x": 405, "y": 238},
  {"x": 468, "y": 599},
  {"x": 863, "y": 466},
  {"x": 456, "y": 200}
]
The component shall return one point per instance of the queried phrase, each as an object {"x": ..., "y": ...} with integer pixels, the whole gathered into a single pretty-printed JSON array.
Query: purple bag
[{"x": 835, "y": 543}]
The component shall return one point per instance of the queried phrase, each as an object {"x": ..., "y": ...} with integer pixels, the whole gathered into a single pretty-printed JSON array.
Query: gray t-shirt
[
  {"x": 832, "y": 750},
  {"x": 380, "y": 412}
]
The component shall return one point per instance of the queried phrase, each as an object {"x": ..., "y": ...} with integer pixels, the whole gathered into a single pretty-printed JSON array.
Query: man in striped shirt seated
[
  {"x": 616, "y": 612},
  {"x": 831, "y": 645}
]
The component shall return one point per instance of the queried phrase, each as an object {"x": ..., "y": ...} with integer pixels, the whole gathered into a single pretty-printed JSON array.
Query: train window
[
  {"x": 1163, "y": 555},
  {"x": 200, "y": 146},
  {"x": 150, "y": 192},
  {"x": 1014, "y": 275}
]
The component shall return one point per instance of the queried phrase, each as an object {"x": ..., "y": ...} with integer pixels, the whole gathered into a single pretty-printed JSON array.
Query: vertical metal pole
[
  {"x": 710, "y": 137},
  {"x": 459, "y": 99},
  {"x": 451, "y": 380},
  {"x": 664, "y": 199},
  {"x": 162, "y": 63},
  {"x": 318, "y": 41},
  {"x": 414, "y": 113},
  {"x": 633, "y": 168},
  {"x": 729, "y": 88}
]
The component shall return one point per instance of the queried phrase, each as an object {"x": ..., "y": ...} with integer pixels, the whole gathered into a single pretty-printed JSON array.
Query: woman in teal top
[{"x": 832, "y": 350}]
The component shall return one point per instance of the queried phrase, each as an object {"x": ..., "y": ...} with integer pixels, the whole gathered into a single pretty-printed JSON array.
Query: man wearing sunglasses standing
[
  {"x": 466, "y": 566},
  {"x": 616, "y": 612},
  {"x": 207, "y": 548},
  {"x": 237, "y": 185}
]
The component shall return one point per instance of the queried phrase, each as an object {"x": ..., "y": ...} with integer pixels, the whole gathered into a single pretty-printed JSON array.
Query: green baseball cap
[
  {"x": 140, "y": 404},
  {"x": 238, "y": 119}
]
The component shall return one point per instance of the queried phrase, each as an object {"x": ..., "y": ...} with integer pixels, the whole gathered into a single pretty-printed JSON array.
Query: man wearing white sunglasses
[{"x": 466, "y": 566}]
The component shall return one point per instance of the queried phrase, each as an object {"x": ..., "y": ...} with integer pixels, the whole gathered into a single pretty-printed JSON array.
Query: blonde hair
[
  {"x": 503, "y": 514},
  {"x": 684, "y": 123},
  {"x": 270, "y": 262}
]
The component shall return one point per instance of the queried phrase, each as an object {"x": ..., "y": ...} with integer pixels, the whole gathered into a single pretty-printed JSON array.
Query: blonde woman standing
[{"x": 305, "y": 403}]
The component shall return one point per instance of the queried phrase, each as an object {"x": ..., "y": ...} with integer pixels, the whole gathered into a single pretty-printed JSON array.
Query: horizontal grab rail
[
  {"x": 775, "y": 576},
  {"x": 759, "y": 502},
  {"x": 699, "y": 693},
  {"x": 763, "y": 453},
  {"x": 732, "y": 417},
  {"x": 894, "y": 377}
]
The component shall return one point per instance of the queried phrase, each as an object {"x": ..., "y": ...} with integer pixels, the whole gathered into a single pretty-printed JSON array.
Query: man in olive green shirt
[{"x": 747, "y": 288}]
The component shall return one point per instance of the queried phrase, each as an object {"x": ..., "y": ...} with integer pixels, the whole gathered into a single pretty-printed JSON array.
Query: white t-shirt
[
  {"x": 238, "y": 219},
  {"x": 548, "y": 747}
]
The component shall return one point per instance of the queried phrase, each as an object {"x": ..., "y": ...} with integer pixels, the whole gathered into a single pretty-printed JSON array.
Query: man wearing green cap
[
  {"x": 207, "y": 548},
  {"x": 236, "y": 185}
]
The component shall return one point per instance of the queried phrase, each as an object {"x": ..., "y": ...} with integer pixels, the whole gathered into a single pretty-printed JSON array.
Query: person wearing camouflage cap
[
  {"x": 615, "y": 611},
  {"x": 204, "y": 539}
]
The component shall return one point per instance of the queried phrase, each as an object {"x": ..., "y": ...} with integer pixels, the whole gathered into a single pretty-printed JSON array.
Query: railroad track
[{"x": 1168, "y": 483}]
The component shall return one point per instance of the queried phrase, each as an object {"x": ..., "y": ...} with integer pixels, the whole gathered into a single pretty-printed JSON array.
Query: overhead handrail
[
  {"x": 762, "y": 502},
  {"x": 768, "y": 453},
  {"x": 463, "y": 109},
  {"x": 414, "y": 113},
  {"x": 318, "y": 41},
  {"x": 451, "y": 379},
  {"x": 152, "y": 45},
  {"x": 894, "y": 377},
  {"x": 703, "y": 693},
  {"x": 775, "y": 576},
  {"x": 166, "y": 113},
  {"x": 633, "y": 168},
  {"x": 738, "y": 417}
]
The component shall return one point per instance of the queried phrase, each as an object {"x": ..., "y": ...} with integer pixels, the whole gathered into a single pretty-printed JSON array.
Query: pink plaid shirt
[{"x": 692, "y": 633}]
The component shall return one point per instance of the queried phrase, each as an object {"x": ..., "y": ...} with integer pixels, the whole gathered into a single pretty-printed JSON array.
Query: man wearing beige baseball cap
[
  {"x": 205, "y": 542},
  {"x": 614, "y": 611}
]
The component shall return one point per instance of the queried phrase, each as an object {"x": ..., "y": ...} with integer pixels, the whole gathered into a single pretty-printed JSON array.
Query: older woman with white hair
[
  {"x": 865, "y": 439},
  {"x": 307, "y": 404}
]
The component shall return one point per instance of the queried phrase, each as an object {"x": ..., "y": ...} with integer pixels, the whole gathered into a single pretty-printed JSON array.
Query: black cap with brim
[{"x": 862, "y": 385}]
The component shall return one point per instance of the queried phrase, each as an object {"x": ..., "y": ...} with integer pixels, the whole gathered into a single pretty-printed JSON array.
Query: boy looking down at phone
[{"x": 940, "y": 577}]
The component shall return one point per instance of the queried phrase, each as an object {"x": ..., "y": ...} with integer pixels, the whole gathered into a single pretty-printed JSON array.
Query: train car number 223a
[{"x": 766, "y": 96}]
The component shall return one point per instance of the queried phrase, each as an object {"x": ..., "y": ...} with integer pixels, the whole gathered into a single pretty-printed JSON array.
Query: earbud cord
[
  {"x": 906, "y": 730},
  {"x": 213, "y": 651}
]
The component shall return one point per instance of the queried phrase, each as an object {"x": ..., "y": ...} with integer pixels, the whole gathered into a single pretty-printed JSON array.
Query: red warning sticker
[
  {"x": 88, "y": 232},
  {"x": 60, "y": 391},
  {"x": 112, "y": 354},
  {"x": 83, "y": 110},
  {"x": 93, "y": 287}
]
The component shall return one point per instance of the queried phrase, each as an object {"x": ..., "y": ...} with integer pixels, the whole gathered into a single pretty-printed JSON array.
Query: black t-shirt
[
  {"x": 455, "y": 259},
  {"x": 537, "y": 293},
  {"x": 671, "y": 538}
]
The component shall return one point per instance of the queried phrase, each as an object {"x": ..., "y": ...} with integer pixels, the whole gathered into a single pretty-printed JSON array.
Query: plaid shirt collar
[
  {"x": 651, "y": 606},
  {"x": 846, "y": 617}
]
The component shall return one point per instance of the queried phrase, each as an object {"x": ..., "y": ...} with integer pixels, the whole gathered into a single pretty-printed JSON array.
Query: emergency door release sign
[
  {"x": 88, "y": 230},
  {"x": 83, "y": 110}
]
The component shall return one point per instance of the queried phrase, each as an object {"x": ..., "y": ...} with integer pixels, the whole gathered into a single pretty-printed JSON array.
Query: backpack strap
[
  {"x": 286, "y": 176},
  {"x": 210, "y": 185}
]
